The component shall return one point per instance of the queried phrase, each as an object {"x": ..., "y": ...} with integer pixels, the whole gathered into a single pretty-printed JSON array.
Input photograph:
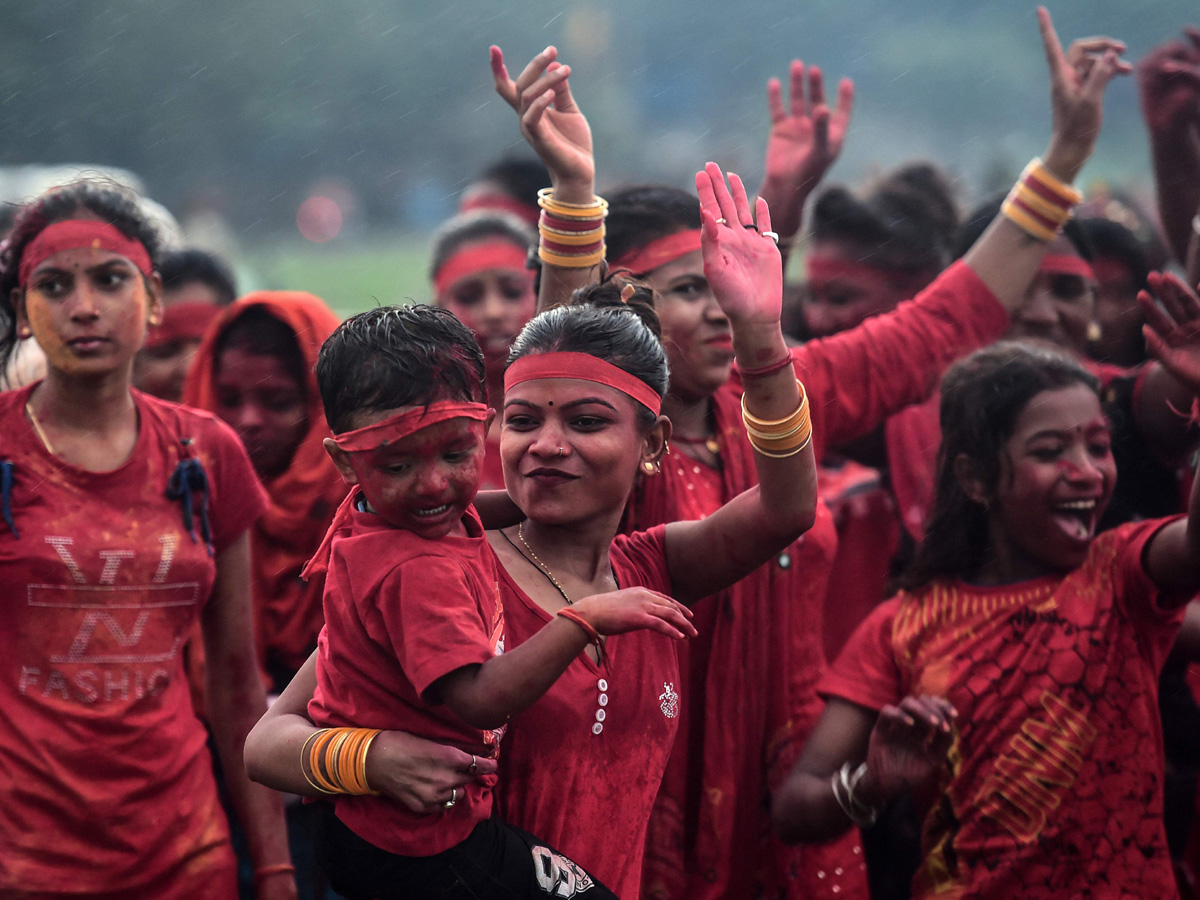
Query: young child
[
  {"x": 414, "y": 629},
  {"x": 1013, "y": 683}
]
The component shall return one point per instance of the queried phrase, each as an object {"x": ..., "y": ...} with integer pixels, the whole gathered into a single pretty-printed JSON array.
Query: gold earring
[
  {"x": 650, "y": 468},
  {"x": 24, "y": 332},
  {"x": 1094, "y": 332}
]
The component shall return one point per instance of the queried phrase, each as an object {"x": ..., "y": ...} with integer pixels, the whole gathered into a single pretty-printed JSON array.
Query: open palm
[
  {"x": 741, "y": 263},
  {"x": 806, "y": 137},
  {"x": 1172, "y": 327}
]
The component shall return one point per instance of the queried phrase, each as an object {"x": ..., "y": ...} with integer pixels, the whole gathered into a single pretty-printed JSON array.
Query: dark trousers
[{"x": 496, "y": 862}]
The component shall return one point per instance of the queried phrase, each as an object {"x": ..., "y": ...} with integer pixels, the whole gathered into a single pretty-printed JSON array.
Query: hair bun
[{"x": 621, "y": 293}]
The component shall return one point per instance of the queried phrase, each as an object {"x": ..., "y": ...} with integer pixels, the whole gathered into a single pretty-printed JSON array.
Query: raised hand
[
  {"x": 630, "y": 609},
  {"x": 1169, "y": 85},
  {"x": 908, "y": 746},
  {"x": 418, "y": 773},
  {"x": 550, "y": 121},
  {"x": 1172, "y": 329},
  {"x": 806, "y": 136},
  {"x": 1077, "y": 82},
  {"x": 741, "y": 263}
]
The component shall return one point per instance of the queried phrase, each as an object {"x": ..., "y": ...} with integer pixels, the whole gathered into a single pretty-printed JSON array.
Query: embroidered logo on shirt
[{"x": 669, "y": 701}]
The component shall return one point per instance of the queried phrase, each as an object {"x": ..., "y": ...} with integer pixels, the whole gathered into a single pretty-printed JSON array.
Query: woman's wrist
[
  {"x": 1064, "y": 160},
  {"x": 758, "y": 344}
]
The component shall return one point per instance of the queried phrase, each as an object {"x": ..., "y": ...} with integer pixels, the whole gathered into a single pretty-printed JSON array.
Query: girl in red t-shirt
[
  {"x": 124, "y": 522},
  {"x": 1013, "y": 684}
]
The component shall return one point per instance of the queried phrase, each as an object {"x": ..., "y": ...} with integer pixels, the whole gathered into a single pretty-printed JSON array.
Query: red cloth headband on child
[
  {"x": 585, "y": 367},
  {"x": 475, "y": 258},
  {"x": 1066, "y": 264},
  {"x": 407, "y": 422},
  {"x": 526, "y": 212},
  {"x": 659, "y": 252},
  {"x": 80, "y": 233}
]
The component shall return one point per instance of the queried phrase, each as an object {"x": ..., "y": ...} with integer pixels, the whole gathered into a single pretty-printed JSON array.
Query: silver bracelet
[{"x": 844, "y": 782}]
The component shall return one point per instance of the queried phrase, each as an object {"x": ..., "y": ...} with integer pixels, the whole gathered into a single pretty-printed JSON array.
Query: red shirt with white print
[
  {"x": 582, "y": 765},
  {"x": 106, "y": 782},
  {"x": 1054, "y": 787},
  {"x": 402, "y": 611}
]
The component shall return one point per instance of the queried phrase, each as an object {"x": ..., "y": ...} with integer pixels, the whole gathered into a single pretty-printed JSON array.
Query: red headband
[
  {"x": 75, "y": 233},
  {"x": 584, "y": 367},
  {"x": 407, "y": 422},
  {"x": 1108, "y": 269},
  {"x": 659, "y": 252},
  {"x": 1066, "y": 264},
  {"x": 827, "y": 268},
  {"x": 526, "y": 212},
  {"x": 478, "y": 257}
]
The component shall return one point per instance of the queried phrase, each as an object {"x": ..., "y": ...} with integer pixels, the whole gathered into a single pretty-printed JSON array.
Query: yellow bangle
[
  {"x": 304, "y": 755},
  {"x": 546, "y": 196},
  {"x": 1030, "y": 226},
  {"x": 782, "y": 455},
  {"x": 572, "y": 262},
  {"x": 581, "y": 238},
  {"x": 1041, "y": 205},
  {"x": 773, "y": 425},
  {"x": 1038, "y": 172}
]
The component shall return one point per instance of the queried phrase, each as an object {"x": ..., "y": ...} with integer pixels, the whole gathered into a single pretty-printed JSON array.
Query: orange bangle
[
  {"x": 264, "y": 872},
  {"x": 593, "y": 635}
]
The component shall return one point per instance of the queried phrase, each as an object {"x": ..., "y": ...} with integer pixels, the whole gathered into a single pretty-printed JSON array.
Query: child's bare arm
[{"x": 489, "y": 694}]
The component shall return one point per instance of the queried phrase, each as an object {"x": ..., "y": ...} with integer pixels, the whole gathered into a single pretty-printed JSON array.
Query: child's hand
[
  {"x": 632, "y": 608},
  {"x": 421, "y": 774},
  {"x": 908, "y": 746},
  {"x": 1172, "y": 330}
]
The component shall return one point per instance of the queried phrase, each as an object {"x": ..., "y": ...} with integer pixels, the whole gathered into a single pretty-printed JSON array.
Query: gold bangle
[
  {"x": 575, "y": 215},
  {"x": 546, "y": 195},
  {"x": 775, "y": 424},
  {"x": 583, "y": 261},
  {"x": 1038, "y": 172},
  {"x": 784, "y": 454},
  {"x": 363, "y": 761},
  {"x": 1041, "y": 205},
  {"x": 1030, "y": 226},
  {"x": 303, "y": 755},
  {"x": 580, "y": 238}
]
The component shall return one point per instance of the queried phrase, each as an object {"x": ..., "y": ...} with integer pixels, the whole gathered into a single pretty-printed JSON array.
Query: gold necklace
[
  {"x": 541, "y": 565},
  {"x": 37, "y": 427}
]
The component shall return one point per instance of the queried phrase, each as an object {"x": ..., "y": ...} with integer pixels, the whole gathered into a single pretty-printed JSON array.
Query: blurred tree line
[{"x": 245, "y": 105}]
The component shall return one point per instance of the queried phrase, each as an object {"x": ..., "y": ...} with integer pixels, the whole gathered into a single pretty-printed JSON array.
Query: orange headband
[
  {"x": 407, "y": 422},
  {"x": 75, "y": 233},
  {"x": 585, "y": 367},
  {"x": 659, "y": 252},
  {"x": 477, "y": 257},
  {"x": 1066, "y": 264}
]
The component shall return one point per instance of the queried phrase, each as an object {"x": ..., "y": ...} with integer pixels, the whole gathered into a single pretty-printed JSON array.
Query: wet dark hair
[
  {"x": 104, "y": 199},
  {"x": 475, "y": 226},
  {"x": 598, "y": 322},
  {"x": 981, "y": 217},
  {"x": 518, "y": 177},
  {"x": 982, "y": 397},
  {"x": 908, "y": 221},
  {"x": 259, "y": 332},
  {"x": 180, "y": 268},
  {"x": 1113, "y": 240},
  {"x": 395, "y": 356},
  {"x": 643, "y": 213}
]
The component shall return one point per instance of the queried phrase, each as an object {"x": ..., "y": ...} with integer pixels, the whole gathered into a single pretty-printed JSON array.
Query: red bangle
[
  {"x": 593, "y": 635},
  {"x": 771, "y": 369},
  {"x": 264, "y": 872}
]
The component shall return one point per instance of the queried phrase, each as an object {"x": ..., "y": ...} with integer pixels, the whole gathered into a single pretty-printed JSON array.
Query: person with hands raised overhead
[{"x": 805, "y": 141}]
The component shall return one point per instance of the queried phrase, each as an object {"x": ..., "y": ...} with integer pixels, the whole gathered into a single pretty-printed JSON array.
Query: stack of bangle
[
  {"x": 572, "y": 234},
  {"x": 593, "y": 635},
  {"x": 780, "y": 438},
  {"x": 337, "y": 760},
  {"x": 845, "y": 782},
  {"x": 1039, "y": 204}
]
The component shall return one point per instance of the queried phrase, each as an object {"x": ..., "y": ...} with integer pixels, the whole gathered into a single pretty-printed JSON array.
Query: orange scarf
[{"x": 288, "y": 614}]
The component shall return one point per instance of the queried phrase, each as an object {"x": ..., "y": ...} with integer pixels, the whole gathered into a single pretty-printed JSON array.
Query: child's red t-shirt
[
  {"x": 1053, "y": 787},
  {"x": 105, "y": 780},
  {"x": 401, "y": 612}
]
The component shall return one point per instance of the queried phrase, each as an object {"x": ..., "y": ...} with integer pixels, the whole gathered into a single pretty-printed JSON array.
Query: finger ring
[
  {"x": 773, "y": 235},
  {"x": 474, "y": 766},
  {"x": 453, "y": 798},
  {"x": 721, "y": 221},
  {"x": 751, "y": 225}
]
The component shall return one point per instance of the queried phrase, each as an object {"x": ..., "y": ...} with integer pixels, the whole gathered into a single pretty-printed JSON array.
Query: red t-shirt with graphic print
[
  {"x": 402, "y": 611},
  {"x": 1054, "y": 784},
  {"x": 582, "y": 765},
  {"x": 106, "y": 782}
]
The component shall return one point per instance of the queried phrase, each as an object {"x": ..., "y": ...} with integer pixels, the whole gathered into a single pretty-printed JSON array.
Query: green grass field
[{"x": 350, "y": 274}]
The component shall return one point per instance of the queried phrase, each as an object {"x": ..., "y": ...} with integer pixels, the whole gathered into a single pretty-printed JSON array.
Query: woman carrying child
[{"x": 581, "y": 419}]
